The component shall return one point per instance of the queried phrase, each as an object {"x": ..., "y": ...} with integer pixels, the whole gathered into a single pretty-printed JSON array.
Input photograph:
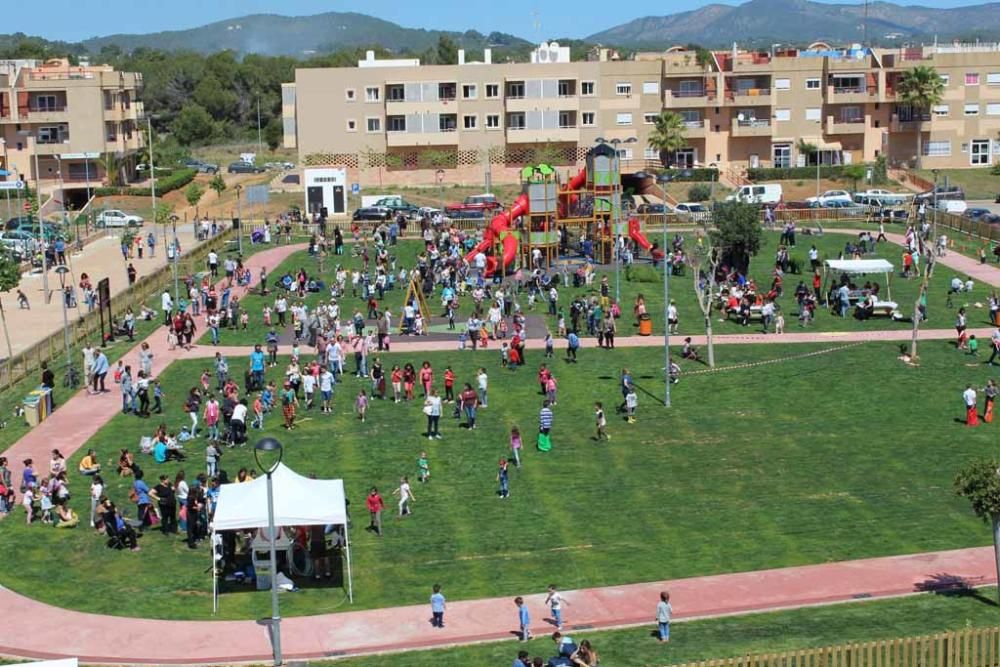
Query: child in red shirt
[{"x": 449, "y": 385}]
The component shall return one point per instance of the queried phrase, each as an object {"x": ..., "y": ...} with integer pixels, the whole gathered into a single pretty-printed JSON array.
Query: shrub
[
  {"x": 699, "y": 192},
  {"x": 700, "y": 174},
  {"x": 165, "y": 184},
  {"x": 642, "y": 274},
  {"x": 996, "y": 169},
  {"x": 793, "y": 173}
]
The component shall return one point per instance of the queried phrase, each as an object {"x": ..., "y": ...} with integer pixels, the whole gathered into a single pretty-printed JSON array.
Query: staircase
[{"x": 734, "y": 177}]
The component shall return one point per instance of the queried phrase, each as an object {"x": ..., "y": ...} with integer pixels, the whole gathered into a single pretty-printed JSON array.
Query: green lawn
[
  {"x": 774, "y": 632},
  {"x": 977, "y": 183},
  {"x": 785, "y": 464}
]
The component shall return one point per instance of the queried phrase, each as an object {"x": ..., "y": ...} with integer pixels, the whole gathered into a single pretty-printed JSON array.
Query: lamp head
[
  {"x": 600, "y": 140},
  {"x": 268, "y": 450}
]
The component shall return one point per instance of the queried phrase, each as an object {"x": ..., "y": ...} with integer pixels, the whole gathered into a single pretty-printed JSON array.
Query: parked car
[
  {"x": 375, "y": 213},
  {"x": 29, "y": 225},
  {"x": 397, "y": 205},
  {"x": 692, "y": 211},
  {"x": 244, "y": 168},
  {"x": 943, "y": 192},
  {"x": 953, "y": 206},
  {"x": 427, "y": 211},
  {"x": 877, "y": 197},
  {"x": 990, "y": 218},
  {"x": 112, "y": 217},
  {"x": 202, "y": 167},
  {"x": 20, "y": 244},
  {"x": 976, "y": 213},
  {"x": 833, "y": 195},
  {"x": 765, "y": 193},
  {"x": 480, "y": 204},
  {"x": 653, "y": 209},
  {"x": 279, "y": 166}
]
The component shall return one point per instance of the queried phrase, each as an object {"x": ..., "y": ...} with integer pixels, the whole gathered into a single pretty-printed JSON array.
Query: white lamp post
[{"x": 270, "y": 448}]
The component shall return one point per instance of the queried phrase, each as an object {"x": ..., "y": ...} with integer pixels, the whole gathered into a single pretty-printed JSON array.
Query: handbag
[{"x": 133, "y": 495}]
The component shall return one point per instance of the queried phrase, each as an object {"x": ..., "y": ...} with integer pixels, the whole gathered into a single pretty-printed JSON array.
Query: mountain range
[{"x": 753, "y": 23}]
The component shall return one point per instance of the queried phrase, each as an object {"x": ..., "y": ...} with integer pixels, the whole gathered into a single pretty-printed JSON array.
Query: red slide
[
  {"x": 500, "y": 224},
  {"x": 636, "y": 235},
  {"x": 575, "y": 183}
]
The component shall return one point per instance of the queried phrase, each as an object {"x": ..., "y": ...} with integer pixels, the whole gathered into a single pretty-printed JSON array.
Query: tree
[
  {"x": 447, "y": 51},
  {"x": 112, "y": 166},
  {"x": 855, "y": 172},
  {"x": 920, "y": 88},
  {"x": 193, "y": 194},
  {"x": 979, "y": 483},
  {"x": 274, "y": 133},
  {"x": 807, "y": 149},
  {"x": 927, "y": 252},
  {"x": 548, "y": 154},
  {"x": 193, "y": 125},
  {"x": 705, "y": 263},
  {"x": 163, "y": 212},
  {"x": 667, "y": 135},
  {"x": 737, "y": 233},
  {"x": 10, "y": 278},
  {"x": 218, "y": 183}
]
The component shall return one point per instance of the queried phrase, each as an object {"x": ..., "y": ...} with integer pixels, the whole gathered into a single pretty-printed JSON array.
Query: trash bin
[
  {"x": 37, "y": 406},
  {"x": 645, "y": 325}
]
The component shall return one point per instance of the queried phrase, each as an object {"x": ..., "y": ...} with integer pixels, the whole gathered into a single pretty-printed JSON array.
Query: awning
[
  {"x": 859, "y": 266},
  {"x": 822, "y": 145}
]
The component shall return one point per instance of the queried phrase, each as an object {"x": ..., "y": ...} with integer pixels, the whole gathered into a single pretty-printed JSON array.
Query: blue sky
[{"x": 75, "y": 20}]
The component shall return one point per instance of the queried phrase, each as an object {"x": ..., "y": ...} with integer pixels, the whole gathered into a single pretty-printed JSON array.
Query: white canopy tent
[
  {"x": 861, "y": 267},
  {"x": 298, "y": 501}
]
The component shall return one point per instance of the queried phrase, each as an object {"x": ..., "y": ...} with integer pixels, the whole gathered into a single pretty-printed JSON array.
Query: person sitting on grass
[
  {"x": 89, "y": 464},
  {"x": 688, "y": 351}
]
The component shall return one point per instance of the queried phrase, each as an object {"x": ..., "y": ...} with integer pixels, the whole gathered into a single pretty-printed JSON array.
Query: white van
[
  {"x": 765, "y": 193},
  {"x": 953, "y": 206}
]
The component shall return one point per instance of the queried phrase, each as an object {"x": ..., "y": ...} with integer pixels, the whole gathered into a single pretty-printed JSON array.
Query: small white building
[{"x": 326, "y": 191}]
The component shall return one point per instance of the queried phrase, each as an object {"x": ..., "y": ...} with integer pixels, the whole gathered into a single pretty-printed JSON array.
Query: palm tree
[
  {"x": 667, "y": 135},
  {"x": 112, "y": 166},
  {"x": 920, "y": 88}
]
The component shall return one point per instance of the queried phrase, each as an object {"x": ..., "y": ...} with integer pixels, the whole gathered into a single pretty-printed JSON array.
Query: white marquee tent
[
  {"x": 862, "y": 267},
  {"x": 298, "y": 501}
]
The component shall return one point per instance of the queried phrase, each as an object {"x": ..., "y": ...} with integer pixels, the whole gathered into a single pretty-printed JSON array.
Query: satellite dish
[{"x": 740, "y": 118}]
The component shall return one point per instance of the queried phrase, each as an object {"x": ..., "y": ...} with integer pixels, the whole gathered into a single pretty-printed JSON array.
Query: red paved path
[{"x": 34, "y": 629}]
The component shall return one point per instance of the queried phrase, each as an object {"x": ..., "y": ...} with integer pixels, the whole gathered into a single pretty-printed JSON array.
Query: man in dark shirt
[
  {"x": 167, "y": 503},
  {"x": 48, "y": 377}
]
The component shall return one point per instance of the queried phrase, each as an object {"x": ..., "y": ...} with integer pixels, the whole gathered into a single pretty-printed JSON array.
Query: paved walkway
[{"x": 36, "y": 630}]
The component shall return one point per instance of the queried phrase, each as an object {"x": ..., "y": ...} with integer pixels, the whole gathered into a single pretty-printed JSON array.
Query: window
[
  {"x": 51, "y": 135},
  {"x": 649, "y": 118},
  {"x": 395, "y": 93},
  {"x": 690, "y": 117},
  {"x": 349, "y": 95},
  {"x": 492, "y": 121},
  {"x": 993, "y": 79},
  {"x": 972, "y": 78},
  {"x": 980, "y": 154},
  {"x": 587, "y": 88},
  {"x": 447, "y": 91},
  {"x": 623, "y": 119},
  {"x": 650, "y": 153},
  {"x": 396, "y": 124},
  {"x": 993, "y": 109},
  {"x": 782, "y": 84},
  {"x": 782, "y": 114},
  {"x": 492, "y": 91},
  {"x": 624, "y": 153},
  {"x": 470, "y": 122},
  {"x": 515, "y": 89},
  {"x": 352, "y": 125},
  {"x": 851, "y": 115},
  {"x": 567, "y": 119},
  {"x": 691, "y": 89},
  {"x": 515, "y": 121},
  {"x": 812, "y": 84},
  {"x": 623, "y": 88},
  {"x": 373, "y": 124},
  {"x": 940, "y": 109},
  {"x": 587, "y": 118},
  {"x": 447, "y": 122},
  {"x": 372, "y": 94},
  {"x": 813, "y": 113},
  {"x": 650, "y": 87},
  {"x": 937, "y": 148},
  {"x": 564, "y": 88},
  {"x": 972, "y": 109},
  {"x": 470, "y": 91},
  {"x": 45, "y": 103}
]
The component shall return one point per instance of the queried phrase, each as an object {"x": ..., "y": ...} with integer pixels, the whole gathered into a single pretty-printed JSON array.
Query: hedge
[
  {"x": 169, "y": 183},
  {"x": 794, "y": 173},
  {"x": 700, "y": 174}
]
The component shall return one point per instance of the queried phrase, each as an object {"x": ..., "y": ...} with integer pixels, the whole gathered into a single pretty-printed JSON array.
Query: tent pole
[
  {"x": 215, "y": 578},
  {"x": 350, "y": 578}
]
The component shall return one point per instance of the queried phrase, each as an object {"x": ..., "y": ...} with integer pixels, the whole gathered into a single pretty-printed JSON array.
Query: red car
[{"x": 474, "y": 206}]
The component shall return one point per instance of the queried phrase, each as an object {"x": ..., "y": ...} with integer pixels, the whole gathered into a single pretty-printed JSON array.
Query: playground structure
[{"x": 589, "y": 207}]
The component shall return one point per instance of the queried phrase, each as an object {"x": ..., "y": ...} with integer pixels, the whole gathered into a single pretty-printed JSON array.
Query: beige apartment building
[
  {"x": 398, "y": 121},
  {"x": 68, "y": 116}
]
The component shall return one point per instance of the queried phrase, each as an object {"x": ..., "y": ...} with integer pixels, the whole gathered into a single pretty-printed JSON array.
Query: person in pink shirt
[
  {"x": 212, "y": 417},
  {"x": 426, "y": 377},
  {"x": 550, "y": 389}
]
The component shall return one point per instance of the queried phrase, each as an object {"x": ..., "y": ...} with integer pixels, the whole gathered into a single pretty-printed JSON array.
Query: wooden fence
[
  {"x": 88, "y": 325},
  {"x": 975, "y": 647}
]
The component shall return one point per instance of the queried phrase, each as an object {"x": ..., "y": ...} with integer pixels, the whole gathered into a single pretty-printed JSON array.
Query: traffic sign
[
  {"x": 12, "y": 185},
  {"x": 355, "y": 188},
  {"x": 257, "y": 194}
]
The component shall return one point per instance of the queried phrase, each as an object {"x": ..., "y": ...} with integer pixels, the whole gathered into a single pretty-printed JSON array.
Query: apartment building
[
  {"x": 397, "y": 120},
  {"x": 68, "y": 116}
]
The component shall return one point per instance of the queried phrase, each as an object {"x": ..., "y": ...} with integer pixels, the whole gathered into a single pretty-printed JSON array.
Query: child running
[
  {"x": 423, "y": 468},
  {"x": 361, "y": 405},
  {"x": 602, "y": 422},
  {"x": 515, "y": 445}
]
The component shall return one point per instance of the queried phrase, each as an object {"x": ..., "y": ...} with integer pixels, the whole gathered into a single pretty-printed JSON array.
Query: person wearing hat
[{"x": 288, "y": 404}]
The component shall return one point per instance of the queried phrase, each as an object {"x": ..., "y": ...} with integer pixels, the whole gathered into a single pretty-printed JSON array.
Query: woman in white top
[
  {"x": 181, "y": 489},
  {"x": 405, "y": 496},
  {"x": 96, "y": 492}
]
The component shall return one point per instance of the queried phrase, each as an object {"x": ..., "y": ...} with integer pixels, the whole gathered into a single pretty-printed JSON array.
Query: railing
[
  {"x": 845, "y": 90},
  {"x": 686, "y": 93},
  {"x": 87, "y": 326},
  {"x": 754, "y": 122},
  {"x": 975, "y": 647},
  {"x": 46, "y": 109}
]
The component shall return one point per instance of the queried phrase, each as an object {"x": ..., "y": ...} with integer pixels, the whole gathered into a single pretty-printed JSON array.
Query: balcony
[
  {"x": 910, "y": 124},
  {"x": 695, "y": 129},
  {"x": 402, "y": 139},
  {"x": 850, "y": 94},
  {"x": 523, "y": 104},
  {"x": 522, "y": 135},
  {"x": 687, "y": 99},
  {"x": 751, "y": 128},
  {"x": 749, "y": 97},
  {"x": 846, "y": 125},
  {"x": 47, "y": 114},
  {"x": 52, "y": 148}
]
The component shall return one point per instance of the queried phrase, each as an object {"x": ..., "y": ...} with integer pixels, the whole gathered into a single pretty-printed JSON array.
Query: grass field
[
  {"x": 789, "y": 463},
  {"x": 977, "y": 183},
  {"x": 923, "y": 614}
]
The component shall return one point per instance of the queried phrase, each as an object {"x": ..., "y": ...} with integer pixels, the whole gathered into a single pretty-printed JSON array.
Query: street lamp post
[
  {"x": 173, "y": 219},
  {"x": 6, "y": 166},
  {"x": 152, "y": 169},
  {"x": 239, "y": 219},
  {"x": 61, "y": 271},
  {"x": 271, "y": 448},
  {"x": 935, "y": 212},
  {"x": 666, "y": 311},
  {"x": 41, "y": 227},
  {"x": 440, "y": 179}
]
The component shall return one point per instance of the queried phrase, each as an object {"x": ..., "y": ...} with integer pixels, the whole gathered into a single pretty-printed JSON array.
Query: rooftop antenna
[{"x": 864, "y": 34}]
